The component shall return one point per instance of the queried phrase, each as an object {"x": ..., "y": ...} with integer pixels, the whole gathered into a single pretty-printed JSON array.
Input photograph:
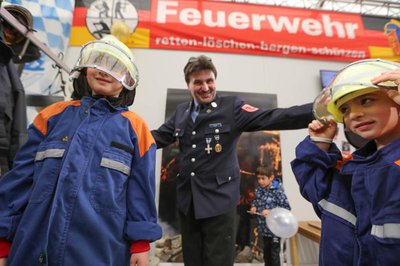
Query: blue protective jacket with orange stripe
[
  {"x": 376, "y": 193},
  {"x": 370, "y": 203},
  {"x": 82, "y": 187},
  {"x": 329, "y": 192}
]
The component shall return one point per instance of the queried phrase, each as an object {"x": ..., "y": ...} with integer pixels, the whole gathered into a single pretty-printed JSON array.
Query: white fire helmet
[
  {"x": 110, "y": 56},
  {"x": 350, "y": 82}
]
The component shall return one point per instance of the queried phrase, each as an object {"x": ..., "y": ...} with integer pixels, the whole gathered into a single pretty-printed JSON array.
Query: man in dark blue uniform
[{"x": 208, "y": 129}]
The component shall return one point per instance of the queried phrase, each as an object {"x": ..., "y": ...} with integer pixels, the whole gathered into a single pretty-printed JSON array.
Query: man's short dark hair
[
  {"x": 264, "y": 170},
  {"x": 196, "y": 64}
]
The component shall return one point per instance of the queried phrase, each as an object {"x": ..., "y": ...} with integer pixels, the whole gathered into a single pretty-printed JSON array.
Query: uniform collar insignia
[{"x": 215, "y": 125}]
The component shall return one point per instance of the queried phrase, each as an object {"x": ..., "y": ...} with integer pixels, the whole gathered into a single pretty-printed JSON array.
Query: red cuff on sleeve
[
  {"x": 4, "y": 248},
  {"x": 140, "y": 246}
]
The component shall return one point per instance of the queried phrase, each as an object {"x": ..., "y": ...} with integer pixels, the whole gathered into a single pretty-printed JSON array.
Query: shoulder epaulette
[{"x": 345, "y": 158}]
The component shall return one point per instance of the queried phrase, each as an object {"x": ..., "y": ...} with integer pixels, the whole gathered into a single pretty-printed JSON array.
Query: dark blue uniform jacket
[{"x": 211, "y": 180}]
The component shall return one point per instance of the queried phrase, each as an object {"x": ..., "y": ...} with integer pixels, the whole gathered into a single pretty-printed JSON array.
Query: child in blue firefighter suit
[
  {"x": 82, "y": 188},
  {"x": 357, "y": 198},
  {"x": 268, "y": 195}
]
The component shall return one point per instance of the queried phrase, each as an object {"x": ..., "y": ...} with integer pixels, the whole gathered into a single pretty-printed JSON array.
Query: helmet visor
[
  {"x": 111, "y": 60},
  {"x": 351, "y": 79},
  {"x": 320, "y": 104},
  {"x": 325, "y": 105},
  {"x": 362, "y": 71}
]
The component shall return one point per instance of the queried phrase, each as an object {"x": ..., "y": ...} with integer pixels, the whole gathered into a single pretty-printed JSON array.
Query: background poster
[{"x": 254, "y": 149}]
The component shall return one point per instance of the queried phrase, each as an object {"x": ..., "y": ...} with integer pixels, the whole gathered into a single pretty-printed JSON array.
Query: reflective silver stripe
[
  {"x": 50, "y": 153},
  {"x": 386, "y": 231},
  {"x": 338, "y": 211},
  {"x": 115, "y": 165}
]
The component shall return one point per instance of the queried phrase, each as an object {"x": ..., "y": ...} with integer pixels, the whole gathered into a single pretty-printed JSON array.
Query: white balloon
[{"x": 282, "y": 222}]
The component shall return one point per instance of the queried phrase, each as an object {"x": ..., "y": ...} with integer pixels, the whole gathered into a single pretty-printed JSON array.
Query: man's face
[{"x": 202, "y": 86}]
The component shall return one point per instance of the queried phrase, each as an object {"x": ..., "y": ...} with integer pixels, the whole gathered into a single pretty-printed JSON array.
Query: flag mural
[{"x": 52, "y": 20}]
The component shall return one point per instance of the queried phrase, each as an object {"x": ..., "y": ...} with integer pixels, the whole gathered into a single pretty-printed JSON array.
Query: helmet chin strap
[{"x": 355, "y": 140}]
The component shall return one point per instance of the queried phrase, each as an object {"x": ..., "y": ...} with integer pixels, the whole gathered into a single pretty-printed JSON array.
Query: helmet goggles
[{"x": 109, "y": 58}]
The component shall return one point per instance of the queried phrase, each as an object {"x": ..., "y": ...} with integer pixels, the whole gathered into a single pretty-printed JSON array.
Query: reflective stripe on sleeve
[
  {"x": 390, "y": 230},
  {"x": 50, "y": 153},
  {"x": 338, "y": 211},
  {"x": 115, "y": 165}
]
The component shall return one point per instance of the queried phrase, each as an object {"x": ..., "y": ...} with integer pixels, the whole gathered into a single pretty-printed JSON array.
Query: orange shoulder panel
[
  {"x": 40, "y": 121},
  {"x": 397, "y": 162},
  {"x": 346, "y": 158},
  {"x": 145, "y": 139}
]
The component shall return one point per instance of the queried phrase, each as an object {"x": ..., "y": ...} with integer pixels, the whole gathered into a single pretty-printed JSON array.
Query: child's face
[
  {"x": 373, "y": 116},
  {"x": 103, "y": 84},
  {"x": 264, "y": 181}
]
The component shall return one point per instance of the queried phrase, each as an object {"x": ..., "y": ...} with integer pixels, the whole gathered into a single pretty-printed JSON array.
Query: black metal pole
[{"x": 29, "y": 35}]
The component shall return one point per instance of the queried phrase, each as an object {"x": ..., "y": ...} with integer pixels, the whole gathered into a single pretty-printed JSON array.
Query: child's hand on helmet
[
  {"x": 394, "y": 95},
  {"x": 393, "y": 75},
  {"x": 324, "y": 128}
]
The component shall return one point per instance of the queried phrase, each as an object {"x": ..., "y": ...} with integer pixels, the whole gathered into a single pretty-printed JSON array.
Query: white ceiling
[{"x": 387, "y": 8}]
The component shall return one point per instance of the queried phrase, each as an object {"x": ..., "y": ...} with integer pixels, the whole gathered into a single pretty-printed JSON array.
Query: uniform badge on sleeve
[{"x": 249, "y": 108}]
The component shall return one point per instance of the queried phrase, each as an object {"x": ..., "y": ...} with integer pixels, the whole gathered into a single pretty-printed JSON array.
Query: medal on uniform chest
[
  {"x": 208, "y": 149},
  {"x": 218, "y": 147}
]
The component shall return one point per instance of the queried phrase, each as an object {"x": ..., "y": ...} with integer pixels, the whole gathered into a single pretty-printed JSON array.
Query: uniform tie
[{"x": 195, "y": 112}]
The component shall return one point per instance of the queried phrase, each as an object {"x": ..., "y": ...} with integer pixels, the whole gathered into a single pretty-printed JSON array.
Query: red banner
[{"x": 249, "y": 29}]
